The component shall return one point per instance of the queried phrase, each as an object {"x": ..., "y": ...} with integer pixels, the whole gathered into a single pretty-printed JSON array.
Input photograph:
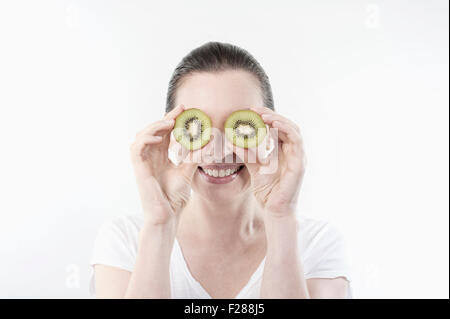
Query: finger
[
  {"x": 187, "y": 170},
  {"x": 189, "y": 165},
  {"x": 170, "y": 116},
  {"x": 243, "y": 155},
  {"x": 138, "y": 146},
  {"x": 256, "y": 154},
  {"x": 149, "y": 140},
  {"x": 161, "y": 126},
  {"x": 286, "y": 133},
  {"x": 178, "y": 151},
  {"x": 269, "y": 118},
  {"x": 267, "y": 145},
  {"x": 252, "y": 168},
  {"x": 174, "y": 112},
  {"x": 203, "y": 154},
  {"x": 268, "y": 165},
  {"x": 262, "y": 109},
  {"x": 265, "y": 152}
]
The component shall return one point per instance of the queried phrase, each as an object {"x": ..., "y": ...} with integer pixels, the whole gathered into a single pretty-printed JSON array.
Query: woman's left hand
[{"x": 277, "y": 191}]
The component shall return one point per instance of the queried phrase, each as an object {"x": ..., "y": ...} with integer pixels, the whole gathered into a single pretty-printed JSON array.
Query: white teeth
[{"x": 220, "y": 172}]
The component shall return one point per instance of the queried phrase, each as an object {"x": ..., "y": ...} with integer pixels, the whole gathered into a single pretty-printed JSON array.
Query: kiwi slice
[
  {"x": 192, "y": 129},
  {"x": 245, "y": 128}
]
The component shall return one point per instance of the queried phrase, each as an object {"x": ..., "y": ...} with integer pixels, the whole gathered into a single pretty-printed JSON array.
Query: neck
[{"x": 237, "y": 220}]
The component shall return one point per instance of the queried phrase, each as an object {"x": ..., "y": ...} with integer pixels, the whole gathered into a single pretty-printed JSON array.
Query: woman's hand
[
  {"x": 278, "y": 191},
  {"x": 163, "y": 187}
]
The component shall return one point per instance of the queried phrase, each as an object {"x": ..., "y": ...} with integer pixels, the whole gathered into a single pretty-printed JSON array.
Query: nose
[{"x": 220, "y": 151}]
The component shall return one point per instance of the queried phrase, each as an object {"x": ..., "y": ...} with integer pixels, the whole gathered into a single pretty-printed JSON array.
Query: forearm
[
  {"x": 151, "y": 278},
  {"x": 283, "y": 274}
]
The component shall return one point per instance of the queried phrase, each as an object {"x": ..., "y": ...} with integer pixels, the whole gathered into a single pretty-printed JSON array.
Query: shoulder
[
  {"x": 116, "y": 244},
  {"x": 323, "y": 249},
  {"x": 314, "y": 231},
  {"x": 116, "y": 241},
  {"x": 123, "y": 225}
]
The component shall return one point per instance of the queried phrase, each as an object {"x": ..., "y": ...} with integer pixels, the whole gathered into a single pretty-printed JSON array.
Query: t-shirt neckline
[{"x": 202, "y": 291}]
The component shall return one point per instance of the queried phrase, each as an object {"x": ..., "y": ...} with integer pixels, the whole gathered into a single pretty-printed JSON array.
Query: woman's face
[{"x": 218, "y": 95}]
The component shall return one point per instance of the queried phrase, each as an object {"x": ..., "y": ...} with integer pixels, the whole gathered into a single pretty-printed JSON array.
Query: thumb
[
  {"x": 187, "y": 170},
  {"x": 190, "y": 161},
  {"x": 188, "y": 167},
  {"x": 252, "y": 168}
]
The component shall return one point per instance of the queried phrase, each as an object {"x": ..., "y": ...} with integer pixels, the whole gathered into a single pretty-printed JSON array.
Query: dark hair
[{"x": 216, "y": 57}]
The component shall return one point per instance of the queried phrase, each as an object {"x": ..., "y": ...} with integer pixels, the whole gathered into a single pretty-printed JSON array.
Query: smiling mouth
[{"x": 220, "y": 174}]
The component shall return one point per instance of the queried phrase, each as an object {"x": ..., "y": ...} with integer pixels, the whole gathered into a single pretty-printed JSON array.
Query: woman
[{"x": 202, "y": 236}]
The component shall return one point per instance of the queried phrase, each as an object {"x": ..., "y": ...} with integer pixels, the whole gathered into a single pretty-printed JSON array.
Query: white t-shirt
[{"x": 322, "y": 252}]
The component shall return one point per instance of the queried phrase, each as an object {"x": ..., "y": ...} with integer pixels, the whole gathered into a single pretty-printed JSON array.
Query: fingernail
[{"x": 265, "y": 116}]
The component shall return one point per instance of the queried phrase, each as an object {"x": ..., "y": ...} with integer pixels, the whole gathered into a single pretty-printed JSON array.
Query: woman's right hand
[{"x": 163, "y": 187}]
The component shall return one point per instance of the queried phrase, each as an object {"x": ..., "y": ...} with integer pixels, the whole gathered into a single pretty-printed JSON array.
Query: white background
[{"x": 367, "y": 81}]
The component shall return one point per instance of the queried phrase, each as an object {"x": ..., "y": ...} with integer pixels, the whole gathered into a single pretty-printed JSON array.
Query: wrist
[
  {"x": 281, "y": 235},
  {"x": 157, "y": 239},
  {"x": 156, "y": 229},
  {"x": 280, "y": 217},
  {"x": 281, "y": 211},
  {"x": 159, "y": 215}
]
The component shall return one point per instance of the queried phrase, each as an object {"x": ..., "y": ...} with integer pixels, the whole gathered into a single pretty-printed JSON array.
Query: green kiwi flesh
[
  {"x": 192, "y": 129},
  {"x": 245, "y": 129}
]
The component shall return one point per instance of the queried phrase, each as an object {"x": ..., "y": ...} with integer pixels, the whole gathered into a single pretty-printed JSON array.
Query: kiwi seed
[
  {"x": 245, "y": 129},
  {"x": 192, "y": 129}
]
